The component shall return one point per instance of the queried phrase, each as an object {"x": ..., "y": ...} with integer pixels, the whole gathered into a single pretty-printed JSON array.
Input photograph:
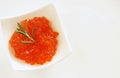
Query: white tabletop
[{"x": 93, "y": 27}]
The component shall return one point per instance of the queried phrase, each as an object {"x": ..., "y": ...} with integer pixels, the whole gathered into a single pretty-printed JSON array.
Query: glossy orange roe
[{"x": 44, "y": 47}]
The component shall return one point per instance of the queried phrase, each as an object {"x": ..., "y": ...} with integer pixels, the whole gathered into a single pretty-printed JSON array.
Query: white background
[{"x": 93, "y": 27}]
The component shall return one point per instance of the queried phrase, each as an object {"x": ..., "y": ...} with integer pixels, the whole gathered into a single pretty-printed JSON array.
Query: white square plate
[{"x": 48, "y": 10}]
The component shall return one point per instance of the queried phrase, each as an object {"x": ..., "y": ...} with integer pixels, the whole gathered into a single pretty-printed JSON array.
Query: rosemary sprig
[{"x": 25, "y": 33}]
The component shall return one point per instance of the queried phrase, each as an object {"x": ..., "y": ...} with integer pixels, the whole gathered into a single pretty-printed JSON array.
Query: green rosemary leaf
[
  {"x": 21, "y": 32},
  {"x": 33, "y": 35},
  {"x": 20, "y": 27},
  {"x": 26, "y": 26},
  {"x": 27, "y": 42}
]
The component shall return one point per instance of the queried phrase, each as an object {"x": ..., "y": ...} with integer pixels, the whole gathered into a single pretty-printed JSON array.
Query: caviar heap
[{"x": 34, "y": 42}]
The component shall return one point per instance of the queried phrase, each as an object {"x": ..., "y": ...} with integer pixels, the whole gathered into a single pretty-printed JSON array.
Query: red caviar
[{"x": 45, "y": 42}]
